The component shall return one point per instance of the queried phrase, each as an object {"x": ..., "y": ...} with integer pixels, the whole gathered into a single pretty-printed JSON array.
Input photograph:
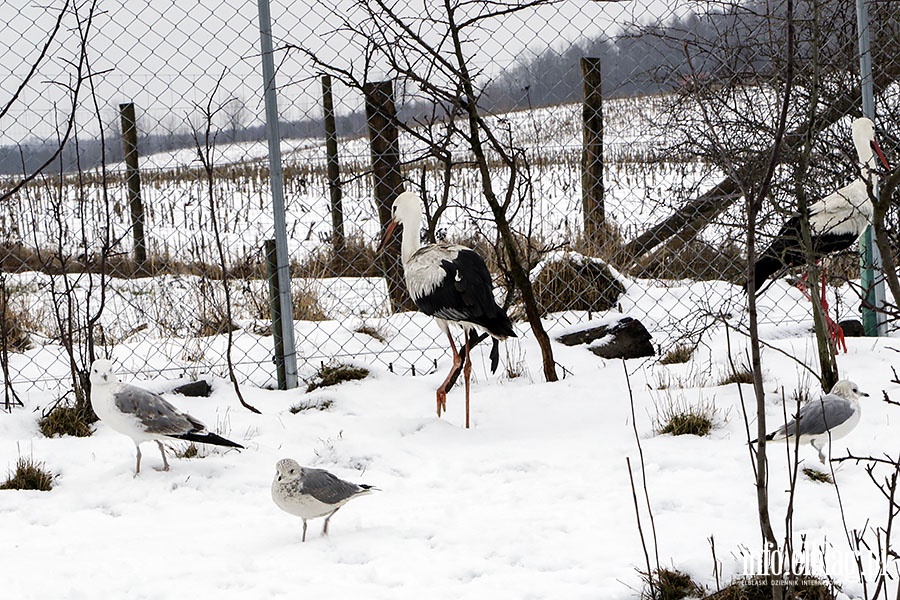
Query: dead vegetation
[
  {"x": 68, "y": 417},
  {"x": 669, "y": 584},
  {"x": 677, "y": 416},
  {"x": 677, "y": 355},
  {"x": 355, "y": 258},
  {"x": 306, "y": 305},
  {"x": 575, "y": 282},
  {"x": 15, "y": 326},
  {"x": 333, "y": 374},
  {"x": 29, "y": 475}
]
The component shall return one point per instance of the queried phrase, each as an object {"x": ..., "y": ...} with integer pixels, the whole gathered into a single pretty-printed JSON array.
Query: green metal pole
[{"x": 870, "y": 259}]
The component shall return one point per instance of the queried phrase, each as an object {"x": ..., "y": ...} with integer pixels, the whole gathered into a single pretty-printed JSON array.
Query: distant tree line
[{"x": 642, "y": 59}]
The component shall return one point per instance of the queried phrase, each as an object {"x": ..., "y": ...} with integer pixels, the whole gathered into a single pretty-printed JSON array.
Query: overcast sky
[{"x": 168, "y": 55}]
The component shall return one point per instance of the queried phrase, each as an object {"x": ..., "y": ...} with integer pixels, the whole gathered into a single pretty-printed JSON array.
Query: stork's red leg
[
  {"x": 834, "y": 329},
  {"x": 442, "y": 391},
  {"x": 467, "y": 372}
]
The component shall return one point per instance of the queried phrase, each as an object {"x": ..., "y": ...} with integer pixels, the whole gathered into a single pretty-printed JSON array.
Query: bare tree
[
  {"x": 234, "y": 117},
  {"x": 205, "y": 144},
  {"x": 432, "y": 54}
]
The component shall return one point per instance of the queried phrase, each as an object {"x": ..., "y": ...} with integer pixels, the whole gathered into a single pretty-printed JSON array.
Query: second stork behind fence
[
  {"x": 835, "y": 222},
  {"x": 451, "y": 283}
]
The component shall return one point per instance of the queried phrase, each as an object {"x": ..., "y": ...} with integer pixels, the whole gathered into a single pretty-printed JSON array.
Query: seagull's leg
[
  {"x": 137, "y": 467},
  {"x": 162, "y": 450},
  {"x": 819, "y": 450},
  {"x": 303, "y": 539},
  {"x": 457, "y": 362},
  {"x": 325, "y": 528},
  {"x": 467, "y": 373}
]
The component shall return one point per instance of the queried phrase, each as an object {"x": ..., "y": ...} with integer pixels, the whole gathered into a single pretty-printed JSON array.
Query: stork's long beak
[
  {"x": 877, "y": 148},
  {"x": 387, "y": 235}
]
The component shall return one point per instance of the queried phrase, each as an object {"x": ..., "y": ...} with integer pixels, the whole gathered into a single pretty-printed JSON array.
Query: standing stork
[
  {"x": 452, "y": 284},
  {"x": 835, "y": 222}
]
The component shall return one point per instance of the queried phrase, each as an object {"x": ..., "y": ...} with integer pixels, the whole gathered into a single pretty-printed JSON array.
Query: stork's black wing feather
[{"x": 465, "y": 294}]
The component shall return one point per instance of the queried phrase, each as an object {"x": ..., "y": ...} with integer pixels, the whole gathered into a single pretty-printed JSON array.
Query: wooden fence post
[
  {"x": 133, "y": 177},
  {"x": 275, "y": 312},
  {"x": 592, "y": 153},
  {"x": 388, "y": 183},
  {"x": 333, "y": 169}
]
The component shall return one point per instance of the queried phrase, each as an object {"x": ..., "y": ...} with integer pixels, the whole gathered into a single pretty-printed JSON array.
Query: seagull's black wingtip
[{"x": 208, "y": 438}]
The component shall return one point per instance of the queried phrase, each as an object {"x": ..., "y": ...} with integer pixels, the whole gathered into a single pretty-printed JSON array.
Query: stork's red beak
[
  {"x": 877, "y": 148},
  {"x": 387, "y": 235}
]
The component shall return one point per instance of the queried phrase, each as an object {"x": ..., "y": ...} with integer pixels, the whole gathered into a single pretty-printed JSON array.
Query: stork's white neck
[
  {"x": 868, "y": 164},
  {"x": 410, "y": 242}
]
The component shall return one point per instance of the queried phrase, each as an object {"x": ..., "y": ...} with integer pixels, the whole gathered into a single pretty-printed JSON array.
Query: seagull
[
  {"x": 310, "y": 493},
  {"x": 836, "y": 221},
  {"x": 143, "y": 415},
  {"x": 822, "y": 421},
  {"x": 451, "y": 283}
]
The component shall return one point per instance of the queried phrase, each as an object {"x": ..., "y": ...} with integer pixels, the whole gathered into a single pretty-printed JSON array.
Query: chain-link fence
[{"x": 562, "y": 138}]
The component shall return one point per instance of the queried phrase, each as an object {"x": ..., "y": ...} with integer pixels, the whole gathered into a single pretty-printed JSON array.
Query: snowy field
[
  {"x": 640, "y": 189},
  {"x": 533, "y": 502}
]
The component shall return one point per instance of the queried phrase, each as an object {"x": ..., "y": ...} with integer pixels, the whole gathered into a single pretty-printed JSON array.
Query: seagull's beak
[
  {"x": 877, "y": 148},
  {"x": 387, "y": 235}
]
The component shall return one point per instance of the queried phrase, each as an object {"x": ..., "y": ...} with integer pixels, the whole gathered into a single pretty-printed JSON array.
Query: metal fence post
[
  {"x": 276, "y": 182},
  {"x": 872, "y": 283}
]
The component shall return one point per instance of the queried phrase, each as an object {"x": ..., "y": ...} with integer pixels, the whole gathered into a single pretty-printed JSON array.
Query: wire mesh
[{"x": 631, "y": 200}]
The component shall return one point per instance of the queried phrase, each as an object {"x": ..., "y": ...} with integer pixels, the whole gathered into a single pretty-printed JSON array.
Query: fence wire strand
[{"x": 622, "y": 136}]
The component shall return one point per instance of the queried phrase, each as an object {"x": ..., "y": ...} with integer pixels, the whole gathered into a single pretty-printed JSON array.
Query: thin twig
[{"x": 637, "y": 514}]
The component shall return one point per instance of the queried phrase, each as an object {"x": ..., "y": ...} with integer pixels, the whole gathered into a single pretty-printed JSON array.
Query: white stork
[
  {"x": 835, "y": 222},
  {"x": 451, "y": 283}
]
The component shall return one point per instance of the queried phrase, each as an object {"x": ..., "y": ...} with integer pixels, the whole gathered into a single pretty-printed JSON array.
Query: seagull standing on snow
[
  {"x": 451, "y": 283},
  {"x": 825, "y": 420},
  {"x": 836, "y": 221},
  {"x": 142, "y": 415},
  {"x": 310, "y": 493}
]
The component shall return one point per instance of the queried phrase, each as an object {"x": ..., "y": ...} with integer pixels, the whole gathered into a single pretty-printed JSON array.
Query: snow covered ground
[{"x": 533, "y": 502}]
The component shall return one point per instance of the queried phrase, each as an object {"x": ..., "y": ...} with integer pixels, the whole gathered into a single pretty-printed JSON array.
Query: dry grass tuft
[
  {"x": 318, "y": 404},
  {"x": 355, "y": 259},
  {"x": 306, "y": 305},
  {"x": 679, "y": 417},
  {"x": 29, "y": 475},
  {"x": 73, "y": 419},
  {"x": 817, "y": 475},
  {"x": 669, "y": 584},
  {"x": 807, "y": 587},
  {"x": 677, "y": 355},
  {"x": 739, "y": 374},
  {"x": 214, "y": 322},
  {"x": 372, "y": 332},
  {"x": 573, "y": 282},
  {"x": 607, "y": 245},
  {"x": 189, "y": 451},
  {"x": 334, "y": 374},
  {"x": 14, "y": 324}
]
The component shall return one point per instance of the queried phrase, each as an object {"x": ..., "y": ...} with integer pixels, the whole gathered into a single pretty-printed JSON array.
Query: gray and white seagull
[
  {"x": 143, "y": 415},
  {"x": 824, "y": 420},
  {"x": 310, "y": 493}
]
